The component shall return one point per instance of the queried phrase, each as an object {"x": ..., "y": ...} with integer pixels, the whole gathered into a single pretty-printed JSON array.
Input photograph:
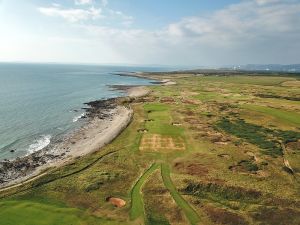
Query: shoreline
[
  {"x": 156, "y": 80},
  {"x": 106, "y": 119}
]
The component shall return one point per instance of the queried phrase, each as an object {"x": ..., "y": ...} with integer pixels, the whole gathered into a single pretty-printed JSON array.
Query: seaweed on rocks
[{"x": 101, "y": 108}]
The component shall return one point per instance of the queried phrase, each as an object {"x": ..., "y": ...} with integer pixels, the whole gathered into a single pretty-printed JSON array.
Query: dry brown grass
[
  {"x": 191, "y": 168},
  {"x": 222, "y": 216},
  {"x": 160, "y": 143}
]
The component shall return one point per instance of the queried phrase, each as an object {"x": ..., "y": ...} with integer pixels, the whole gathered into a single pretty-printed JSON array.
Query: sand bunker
[
  {"x": 226, "y": 156},
  {"x": 167, "y": 100},
  {"x": 117, "y": 202},
  {"x": 149, "y": 120},
  {"x": 142, "y": 130},
  {"x": 176, "y": 124}
]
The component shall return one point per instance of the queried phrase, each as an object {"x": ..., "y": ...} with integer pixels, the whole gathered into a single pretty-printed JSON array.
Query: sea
[{"x": 39, "y": 103}]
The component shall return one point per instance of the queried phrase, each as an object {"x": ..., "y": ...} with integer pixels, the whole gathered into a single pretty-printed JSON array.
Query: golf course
[{"x": 206, "y": 149}]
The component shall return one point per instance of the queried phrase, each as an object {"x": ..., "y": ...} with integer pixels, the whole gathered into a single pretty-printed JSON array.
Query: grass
[
  {"x": 161, "y": 124},
  {"x": 249, "y": 165},
  {"x": 247, "y": 80},
  {"x": 206, "y": 96},
  {"x": 137, "y": 205},
  {"x": 292, "y": 118},
  {"x": 190, "y": 213},
  {"x": 30, "y": 213}
]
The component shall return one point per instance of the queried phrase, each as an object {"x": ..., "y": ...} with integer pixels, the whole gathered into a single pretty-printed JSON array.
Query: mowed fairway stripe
[
  {"x": 137, "y": 204},
  {"x": 290, "y": 117},
  {"x": 190, "y": 213}
]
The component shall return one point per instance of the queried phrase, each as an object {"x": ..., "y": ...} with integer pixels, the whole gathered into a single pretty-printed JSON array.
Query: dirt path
[
  {"x": 190, "y": 213},
  {"x": 285, "y": 160}
]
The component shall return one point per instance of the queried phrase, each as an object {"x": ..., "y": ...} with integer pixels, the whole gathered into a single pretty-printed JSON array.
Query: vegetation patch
[
  {"x": 294, "y": 145},
  {"x": 277, "y": 216},
  {"x": 191, "y": 168},
  {"x": 245, "y": 166},
  {"x": 222, "y": 216},
  {"x": 220, "y": 192},
  {"x": 267, "y": 139},
  {"x": 153, "y": 219},
  {"x": 291, "y": 98}
]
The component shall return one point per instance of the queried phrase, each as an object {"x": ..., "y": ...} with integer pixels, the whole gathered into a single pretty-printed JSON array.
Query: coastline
[{"x": 106, "y": 119}]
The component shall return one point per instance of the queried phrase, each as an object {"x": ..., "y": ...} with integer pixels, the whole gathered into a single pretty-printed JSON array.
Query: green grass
[
  {"x": 33, "y": 213},
  {"x": 249, "y": 80},
  {"x": 156, "y": 107},
  {"x": 248, "y": 165},
  {"x": 161, "y": 124},
  {"x": 137, "y": 204},
  {"x": 157, "y": 220},
  {"x": 206, "y": 96},
  {"x": 190, "y": 213},
  {"x": 291, "y": 118}
]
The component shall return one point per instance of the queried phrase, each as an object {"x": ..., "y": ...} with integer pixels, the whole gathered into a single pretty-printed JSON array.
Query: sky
[{"x": 151, "y": 32}]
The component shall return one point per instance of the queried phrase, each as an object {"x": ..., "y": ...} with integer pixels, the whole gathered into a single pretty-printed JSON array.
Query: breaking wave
[
  {"x": 76, "y": 118},
  {"x": 39, "y": 144}
]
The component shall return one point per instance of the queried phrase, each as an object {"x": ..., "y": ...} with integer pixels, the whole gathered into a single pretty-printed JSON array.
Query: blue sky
[
  {"x": 177, "y": 32},
  {"x": 154, "y": 14}
]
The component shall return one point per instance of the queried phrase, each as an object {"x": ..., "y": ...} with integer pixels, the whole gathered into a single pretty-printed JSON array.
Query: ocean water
[{"x": 40, "y": 102}]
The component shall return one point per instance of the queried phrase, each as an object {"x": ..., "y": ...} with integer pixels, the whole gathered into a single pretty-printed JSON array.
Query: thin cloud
[
  {"x": 83, "y": 2},
  {"x": 252, "y": 31},
  {"x": 242, "y": 32},
  {"x": 72, "y": 15},
  {"x": 104, "y": 3},
  {"x": 125, "y": 19}
]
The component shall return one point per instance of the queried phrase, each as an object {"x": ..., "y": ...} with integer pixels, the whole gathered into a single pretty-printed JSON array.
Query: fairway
[
  {"x": 31, "y": 213},
  {"x": 292, "y": 118},
  {"x": 137, "y": 205},
  {"x": 190, "y": 213}
]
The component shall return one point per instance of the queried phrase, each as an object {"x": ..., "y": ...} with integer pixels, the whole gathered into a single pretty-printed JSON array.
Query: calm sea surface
[{"x": 40, "y": 102}]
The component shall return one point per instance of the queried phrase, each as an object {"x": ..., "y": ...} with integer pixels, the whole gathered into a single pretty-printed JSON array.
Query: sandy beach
[{"x": 106, "y": 119}]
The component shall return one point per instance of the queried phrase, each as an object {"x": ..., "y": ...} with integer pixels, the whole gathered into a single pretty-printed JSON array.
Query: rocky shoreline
[{"x": 102, "y": 116}]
